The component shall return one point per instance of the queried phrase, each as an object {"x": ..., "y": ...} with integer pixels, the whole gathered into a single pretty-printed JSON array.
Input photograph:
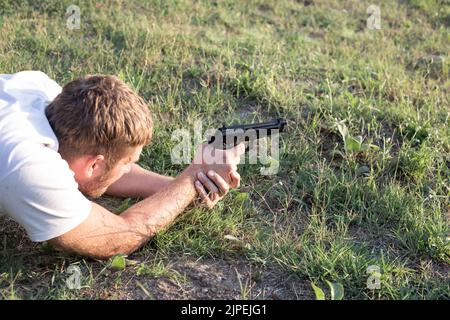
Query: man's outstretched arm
[
  {"x": 104, "y": 234},
  {"x": 138, "y": 183}
]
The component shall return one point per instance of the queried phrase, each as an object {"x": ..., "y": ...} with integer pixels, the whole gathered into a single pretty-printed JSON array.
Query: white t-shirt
[{"x": 37, "y": 188}]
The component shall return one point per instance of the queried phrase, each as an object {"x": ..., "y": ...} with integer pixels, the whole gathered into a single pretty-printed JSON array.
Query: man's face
[{"x": 99, "y": 183}]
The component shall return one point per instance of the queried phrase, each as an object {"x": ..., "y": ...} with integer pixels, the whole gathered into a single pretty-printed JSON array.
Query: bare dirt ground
[
  {"x": 187, "y": 277},
  {"x": 213, "y": 279}
]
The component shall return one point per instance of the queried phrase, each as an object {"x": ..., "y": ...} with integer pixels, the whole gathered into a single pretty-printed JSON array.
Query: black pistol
[{"x": 230, "y": 136}]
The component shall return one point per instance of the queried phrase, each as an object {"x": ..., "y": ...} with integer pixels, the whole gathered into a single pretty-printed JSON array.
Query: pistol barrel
[
  {"x": 274, "y": 124},
  {"x": 246, "y": 132}
]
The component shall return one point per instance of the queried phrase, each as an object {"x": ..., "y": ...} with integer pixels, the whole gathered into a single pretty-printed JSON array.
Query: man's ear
[{"x": 95, "y": 165}]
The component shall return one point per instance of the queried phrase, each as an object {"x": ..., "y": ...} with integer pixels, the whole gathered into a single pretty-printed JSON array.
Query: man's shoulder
[
  {"x": 28, "y": 82},
  {"x": 31, "y": 74},
  {"x": 33, "y": 161},
  {"x": 41, "y": 193},
  {"x": 25, "y": 134}
]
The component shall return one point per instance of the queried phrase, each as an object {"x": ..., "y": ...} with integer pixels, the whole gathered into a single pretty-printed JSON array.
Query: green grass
[{"x": 331, "y": 211}]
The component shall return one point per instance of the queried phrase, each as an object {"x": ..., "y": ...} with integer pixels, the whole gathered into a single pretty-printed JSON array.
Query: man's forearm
[
  {"x": 155, "y": 213},
  {"x": 138, "y": 183},
  {"x": 104, "y": 234}
]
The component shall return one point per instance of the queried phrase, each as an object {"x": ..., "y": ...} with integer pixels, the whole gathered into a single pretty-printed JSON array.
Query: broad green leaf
[
  {"x": 118, "y": 262},
  {"x": 318, "y": 292},
  {"x": 352, "y": 145},
  {"x": 337, "y": 290}
]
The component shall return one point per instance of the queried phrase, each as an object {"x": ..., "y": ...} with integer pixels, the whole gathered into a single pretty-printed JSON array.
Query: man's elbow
[
  {"x": 126, "y": 237},
  {"x": 100, "y": 250},
  {"x": 118, "y": 250}
]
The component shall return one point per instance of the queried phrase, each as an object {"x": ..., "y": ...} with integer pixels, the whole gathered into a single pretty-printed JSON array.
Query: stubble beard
[{"x": 95, "y": 188}]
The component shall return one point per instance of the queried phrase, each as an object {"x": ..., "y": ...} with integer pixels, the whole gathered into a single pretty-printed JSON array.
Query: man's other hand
[
  {"x": 212, "y": 187},
  {"x": 216, "y": 172}
]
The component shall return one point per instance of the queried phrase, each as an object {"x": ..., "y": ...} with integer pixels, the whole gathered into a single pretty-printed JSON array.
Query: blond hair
[{"x": 99, "y": 115}]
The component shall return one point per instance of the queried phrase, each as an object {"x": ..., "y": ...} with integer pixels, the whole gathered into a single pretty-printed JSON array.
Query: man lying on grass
[{"x": 58, "y": 146}]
